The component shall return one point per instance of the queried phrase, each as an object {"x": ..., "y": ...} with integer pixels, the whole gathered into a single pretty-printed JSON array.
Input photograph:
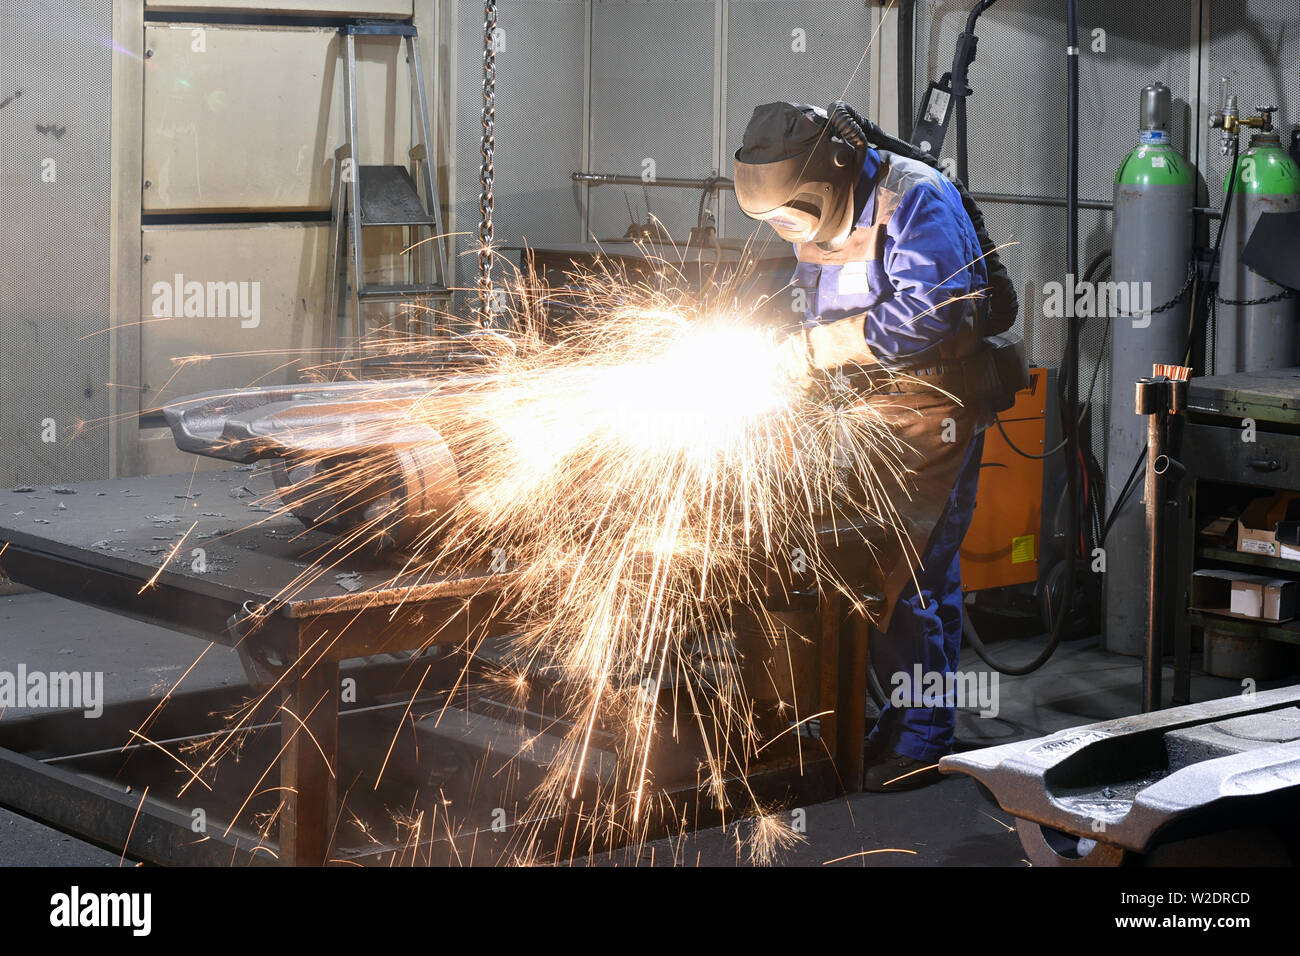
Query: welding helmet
[{"x": 796, "y": 172}]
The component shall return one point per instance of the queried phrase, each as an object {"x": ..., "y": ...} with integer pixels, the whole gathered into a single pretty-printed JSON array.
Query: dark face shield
[{"x": 805, "y": 198}]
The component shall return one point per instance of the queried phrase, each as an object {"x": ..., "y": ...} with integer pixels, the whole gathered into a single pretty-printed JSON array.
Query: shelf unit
[{"x": 1222, "y": 467}]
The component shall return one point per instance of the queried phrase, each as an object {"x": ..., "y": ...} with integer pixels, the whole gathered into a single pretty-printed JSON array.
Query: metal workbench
[
  {"x": 127, "y": 546},
  {"x": 114, "y": 545}
]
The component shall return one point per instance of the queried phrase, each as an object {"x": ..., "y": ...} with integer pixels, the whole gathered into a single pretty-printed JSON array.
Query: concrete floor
[
  {"x": 138, "y": 660},
  {"x": 949, "y": 823}
]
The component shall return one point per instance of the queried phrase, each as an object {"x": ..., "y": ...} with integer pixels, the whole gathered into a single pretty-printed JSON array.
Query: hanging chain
[
  {"x": 1182, "y": 294},
  {"x": 1276, "y": 297},
  {"x": 487, "y": 149}
]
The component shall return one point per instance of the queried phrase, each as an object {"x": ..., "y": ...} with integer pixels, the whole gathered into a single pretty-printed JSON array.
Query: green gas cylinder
[{"x": 1256, "y": 318}]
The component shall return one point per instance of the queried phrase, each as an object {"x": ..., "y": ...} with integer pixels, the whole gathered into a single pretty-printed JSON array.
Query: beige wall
[
  {"x": 215, "y": 119},
  {"x": 365, "y": 8}
]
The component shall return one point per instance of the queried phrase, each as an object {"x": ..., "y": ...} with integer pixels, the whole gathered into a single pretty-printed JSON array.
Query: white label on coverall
[{"x": 853, "y": 279}]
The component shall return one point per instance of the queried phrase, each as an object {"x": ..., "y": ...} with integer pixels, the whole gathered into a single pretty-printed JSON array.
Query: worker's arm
[{"x": 928, "y": 260}]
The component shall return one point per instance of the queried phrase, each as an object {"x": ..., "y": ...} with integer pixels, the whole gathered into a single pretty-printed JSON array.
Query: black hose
[
  {"x": 997, "y": 420},
  {"x": 1088, "y": 275},
  {"x": 1070, "y": 365},
  {"x": 959, "y": 128},
  {"x": 1122, "y": 497},
  {"x": 1097, "y": 513},
  {"x": 846, "y": 121},
  {"x": 961, "y": 87}
]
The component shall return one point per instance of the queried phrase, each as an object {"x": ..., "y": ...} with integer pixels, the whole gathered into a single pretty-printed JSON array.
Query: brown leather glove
[{"x": 826, "y": 346}]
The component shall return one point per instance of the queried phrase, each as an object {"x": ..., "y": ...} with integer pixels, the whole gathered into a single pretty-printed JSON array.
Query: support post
[{"x": 308, "y": 764}]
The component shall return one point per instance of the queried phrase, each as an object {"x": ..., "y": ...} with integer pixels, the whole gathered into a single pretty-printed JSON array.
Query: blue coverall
[{"x": 931, "y": 254}]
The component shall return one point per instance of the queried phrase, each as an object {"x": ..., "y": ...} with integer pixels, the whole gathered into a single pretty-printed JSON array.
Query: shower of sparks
[
  {"x": 637, "y": 473},
  {"x": 636, "y": 480},
  {"x": 766, "y": 839}
]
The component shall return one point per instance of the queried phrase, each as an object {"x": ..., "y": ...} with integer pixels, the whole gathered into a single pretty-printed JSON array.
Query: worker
[{"x": 891, "y": 270}]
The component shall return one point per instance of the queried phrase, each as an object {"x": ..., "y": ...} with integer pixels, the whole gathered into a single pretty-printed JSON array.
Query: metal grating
[
  {"x": 1017, "y": 133},
  {"x": 652, "y": 96},
  {"x": 764, "y": 67},
  {"x": 1017, "y": 115},
  {"x": 539, "y": 126},
  {"x": 652, "y": 70},
  {"x": 54, "y": 240},
  {"x": 1256, "y": 45}
]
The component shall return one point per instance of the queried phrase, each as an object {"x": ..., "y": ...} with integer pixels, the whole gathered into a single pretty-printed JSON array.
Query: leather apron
[{"x": 950, "y": 400}]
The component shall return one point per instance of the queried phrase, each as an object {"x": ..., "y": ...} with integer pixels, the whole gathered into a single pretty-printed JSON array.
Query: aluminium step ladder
[{"x": 367, "y": 197}]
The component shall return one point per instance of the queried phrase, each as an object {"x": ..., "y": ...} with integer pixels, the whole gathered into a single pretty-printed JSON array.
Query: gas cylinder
[
  {"x": 1251, "y": 334},
  {"x": 1151, "y": 253}
]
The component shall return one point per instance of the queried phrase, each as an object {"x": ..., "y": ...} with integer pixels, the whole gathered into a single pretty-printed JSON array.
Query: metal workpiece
[
  {"x": 345, "y": 456},
  {"x": 1102, "y": 793},
  {"x": 391, "y": 457},
  {"x": 396, "y": 493},
  {"x": 200, "y": 423}
]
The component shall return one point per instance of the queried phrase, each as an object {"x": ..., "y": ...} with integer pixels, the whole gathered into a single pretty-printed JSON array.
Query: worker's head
[{"x": 794, "y": 172}]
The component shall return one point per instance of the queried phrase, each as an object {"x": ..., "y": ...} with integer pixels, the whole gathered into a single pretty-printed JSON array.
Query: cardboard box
[
  {"x": 1257, "y": 528},
  {"x": 1221, "y": 532},
  {"x": 1288, "y": 540},
  {"x": 1274, "y": 599},
  {"x": 1245, "y": 595}
]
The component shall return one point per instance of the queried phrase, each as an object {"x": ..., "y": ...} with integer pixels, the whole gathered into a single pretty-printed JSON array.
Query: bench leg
[
  {"x": 851, "y": 729},
  {"x": 310, "y": 738}
]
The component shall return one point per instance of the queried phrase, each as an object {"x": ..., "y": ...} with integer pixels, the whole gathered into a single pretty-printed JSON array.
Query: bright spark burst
[
  {"x": 766, "y": 838},
  {"x": 643, "y": 471}
]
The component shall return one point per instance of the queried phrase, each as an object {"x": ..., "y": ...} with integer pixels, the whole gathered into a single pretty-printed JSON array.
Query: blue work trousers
[{"x": 926, "y": 627}]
